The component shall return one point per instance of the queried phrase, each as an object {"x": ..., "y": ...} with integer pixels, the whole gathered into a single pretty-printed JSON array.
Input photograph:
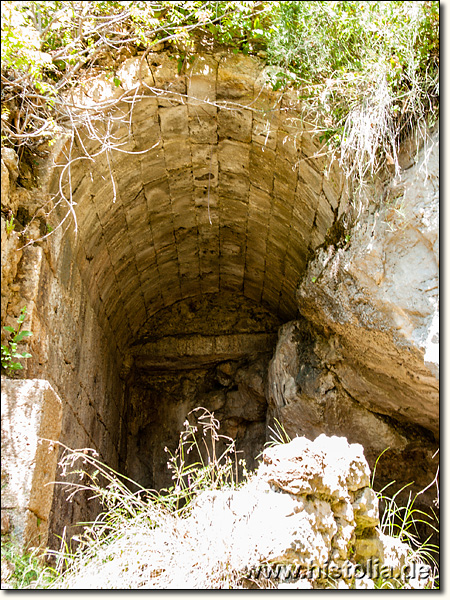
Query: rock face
[
  {"x": 306, "y": 395},
  {"x": 363, "y": 363},
  {"x": 379, "y": 299},
  {"x": 192, "y": 250}
]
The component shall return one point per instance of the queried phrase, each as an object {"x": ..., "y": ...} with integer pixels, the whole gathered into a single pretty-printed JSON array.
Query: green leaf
[
  {"x": 117, "y": 81},
  {"x": 9, "y": 328},
  {"x": 22, "y": 334}
]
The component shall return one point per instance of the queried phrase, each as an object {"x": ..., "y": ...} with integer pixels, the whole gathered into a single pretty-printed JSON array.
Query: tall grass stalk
[
  {"x": 156, "y": 540},
  {"x": 402, "y": 519},
  {"x": 145, "y": 539}
]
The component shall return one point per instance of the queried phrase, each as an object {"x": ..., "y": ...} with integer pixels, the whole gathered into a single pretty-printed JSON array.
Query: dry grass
[
  {"x": 155, "y": 540},
  {"x": 173, "y": 539}
]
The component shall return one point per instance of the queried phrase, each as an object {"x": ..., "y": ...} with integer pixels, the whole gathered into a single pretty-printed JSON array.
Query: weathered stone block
[
  {"x": 309, "y": 175},
  {"x": 332, "y": 188},
  {"x": 133, "y": 71},
  {"x": 259, "y": 203},
  {"x": 324, "y": 216},
  {"x": 207, "y": 200},
  {"x": 261, "y": 167},
  {"x": 252, "y": 290},
  {"x": 233, "y": 157},
  {"x": 203, "y": 130},
  {"x": 205, "y": 165},
  {"x": 174, "y": 122},
  {"x": 128, "y": 185},
  {"x": 177, "y": 154},
  {"x": 201, "y": 87},
  {"x": 158, "y": 195},
  {"x": 288, "y": 145},
  {"x": 264, "y": 132},
  {"x": 235, "y": 124},
  {"x": 137, "y": 212},
  {"x": 313, "y": 150},
  {"x": 165, "y": 72},
  {"x": 284, "y": 193},
  {"x": 162, "y": 231},
  {"x": 151, "y": 288},
  {"x": 31, "y": 420},
  {"x": 305, "y": 204},
  {"x": 233, "y": 185},
  {"x": 181, "y": 183},
  {"x": 147, "y": 136},
  {"x": 236, "y": 76},
  {"x": 183, "y": 221}
]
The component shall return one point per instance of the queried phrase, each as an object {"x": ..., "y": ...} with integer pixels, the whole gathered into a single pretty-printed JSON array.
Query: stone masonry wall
[
  {"x": 69, "y": 347},
  {"x": 224, "y": 190}
]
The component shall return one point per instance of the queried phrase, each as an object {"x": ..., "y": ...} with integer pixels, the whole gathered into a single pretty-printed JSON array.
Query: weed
[
  {"x": 10, "y": 225},
  {"x": 206, "y": 467},
  {"x": 9, "y": 350},
  {"x": 401, "y": 520},
  {"x": 367, "y": 75},
  {"x": 278, "y": 435},
  {"x": 147, "y": 538},
  {"x": 21, "y": 570}
]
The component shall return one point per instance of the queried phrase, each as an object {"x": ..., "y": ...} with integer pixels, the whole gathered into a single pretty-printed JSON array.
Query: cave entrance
[{"x": 211, "y": 352}]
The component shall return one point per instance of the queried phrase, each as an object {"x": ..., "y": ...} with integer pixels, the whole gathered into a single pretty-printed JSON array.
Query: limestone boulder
[
  {"x": 308, "y": 506},
  {"x": 328, "y": 466}
]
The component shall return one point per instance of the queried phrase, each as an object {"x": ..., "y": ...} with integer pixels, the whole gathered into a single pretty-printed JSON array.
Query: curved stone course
[{"x": 220, "y": 198}]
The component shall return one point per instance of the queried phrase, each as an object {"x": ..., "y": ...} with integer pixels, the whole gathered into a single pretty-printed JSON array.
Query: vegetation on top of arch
[{"x": 367, "y": 73}]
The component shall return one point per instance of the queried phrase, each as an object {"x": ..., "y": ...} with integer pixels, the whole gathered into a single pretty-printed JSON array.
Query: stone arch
[
  {"x": 221, "y": 198},
  {"x": 209, "y": 210}
]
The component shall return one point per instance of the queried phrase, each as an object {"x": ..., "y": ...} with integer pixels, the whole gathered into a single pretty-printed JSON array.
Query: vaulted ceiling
[{"x": 217, "y": 186}]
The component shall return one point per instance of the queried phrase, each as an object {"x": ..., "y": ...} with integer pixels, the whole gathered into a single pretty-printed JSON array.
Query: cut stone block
[{"x": 31, "y": 419}]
